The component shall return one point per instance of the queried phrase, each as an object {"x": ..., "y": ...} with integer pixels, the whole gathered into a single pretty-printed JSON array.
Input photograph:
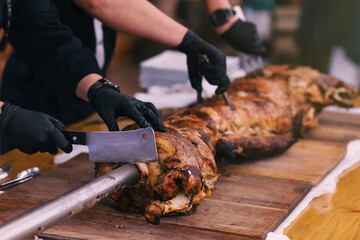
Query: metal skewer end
[
  {"x": 228, "y": 101},
  {"x": 199, "y": 100}
]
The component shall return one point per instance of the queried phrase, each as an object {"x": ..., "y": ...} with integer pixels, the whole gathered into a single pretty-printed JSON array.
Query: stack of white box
[{"x": 169, "y": 68}]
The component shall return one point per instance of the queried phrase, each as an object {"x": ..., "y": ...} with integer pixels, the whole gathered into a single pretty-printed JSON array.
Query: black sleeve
[{"x": 47, "y": 46}]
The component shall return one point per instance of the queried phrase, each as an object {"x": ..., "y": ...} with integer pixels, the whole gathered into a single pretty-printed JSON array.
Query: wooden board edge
[
  {"x": 340, "y": 117},
  {"x": 341, "y": 157},
  {"x": 289, "y": 210},
  {"x": 46, "y": 236}
]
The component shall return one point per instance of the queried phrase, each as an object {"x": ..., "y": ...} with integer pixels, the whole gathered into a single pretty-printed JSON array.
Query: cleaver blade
[{"x": 121, "y": 147}]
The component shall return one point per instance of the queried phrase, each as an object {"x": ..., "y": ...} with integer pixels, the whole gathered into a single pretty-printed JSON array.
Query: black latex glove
[
  {"x": 243, "y": 37},
  {"x": 111, "y": 104},
  {"x": 213, "y": 70},
  {"x": 32, "y": 131}
]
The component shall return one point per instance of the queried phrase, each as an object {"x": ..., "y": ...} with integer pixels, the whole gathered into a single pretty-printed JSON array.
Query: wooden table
[{"x": 250, "y": 199}]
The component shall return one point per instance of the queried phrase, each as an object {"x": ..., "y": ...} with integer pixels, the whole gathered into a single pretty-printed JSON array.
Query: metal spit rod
[{"x": 68, "y": 204}]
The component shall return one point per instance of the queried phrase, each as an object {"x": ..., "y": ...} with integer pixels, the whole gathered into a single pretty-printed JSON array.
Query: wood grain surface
[
  {"x": 338, "y": 127},
  {"x": 243, "y": 207},
  {"x": 332, "y": 216},
  {"x": 250, "y": 199},
  {"x": 307, "y": 160}
]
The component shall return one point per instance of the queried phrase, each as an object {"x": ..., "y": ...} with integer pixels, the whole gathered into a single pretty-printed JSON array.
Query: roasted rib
[{"x": 273, "y": 106}]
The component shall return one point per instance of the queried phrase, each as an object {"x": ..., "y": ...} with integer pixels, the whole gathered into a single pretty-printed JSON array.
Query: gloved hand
[
  {"x": 213, "y": 70},
  {"x": 32, "y": 131},
  {"x": 111, "y": 104},
  {"x": 243, "y": 37}
]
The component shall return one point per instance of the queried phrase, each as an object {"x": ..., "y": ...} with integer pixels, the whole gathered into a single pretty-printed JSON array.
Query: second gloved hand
[
  {"x": 213, "y": 70},
  {"x": 111, "y": 104},
  {"x": 243, "y": 37},
  {"x": 32, "y": 131}
]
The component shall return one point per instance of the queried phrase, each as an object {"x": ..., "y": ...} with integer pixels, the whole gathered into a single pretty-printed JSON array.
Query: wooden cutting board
[
  {"x": 333, "y": 126},
  {"x": 250, "y": 199}
]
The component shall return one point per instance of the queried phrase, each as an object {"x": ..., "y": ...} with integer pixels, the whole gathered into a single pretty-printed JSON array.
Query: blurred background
[{"x": 323, "y": 34}]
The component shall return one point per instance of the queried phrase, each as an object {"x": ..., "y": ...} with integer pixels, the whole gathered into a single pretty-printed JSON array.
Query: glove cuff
[
  {"x": 98, "y": 87},
  {"x": 187, "y": 42},
  {"x": 7, "y": 111}
]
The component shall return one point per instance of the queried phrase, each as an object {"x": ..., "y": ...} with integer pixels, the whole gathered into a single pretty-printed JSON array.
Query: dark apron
[{"x": 26, "y": 88}]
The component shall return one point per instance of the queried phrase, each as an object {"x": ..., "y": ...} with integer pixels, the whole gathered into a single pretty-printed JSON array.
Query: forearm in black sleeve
[{"x": 49, "y": 47}]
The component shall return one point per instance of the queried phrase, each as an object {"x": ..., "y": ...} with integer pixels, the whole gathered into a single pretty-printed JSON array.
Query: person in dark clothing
[
  {"x": 241, "y": 35},
  {"x": 28, "y": 87},
  {"x": 60, "y": 68},
  {"x": 144, "y": 20},
  {"x": 60, "y": 74}
]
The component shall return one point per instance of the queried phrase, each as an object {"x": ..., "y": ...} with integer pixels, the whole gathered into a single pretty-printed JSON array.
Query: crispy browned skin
[{"x": 273, "y": 106}]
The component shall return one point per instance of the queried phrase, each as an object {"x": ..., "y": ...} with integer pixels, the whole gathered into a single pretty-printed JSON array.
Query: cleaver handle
[{"x": 75, "y": 137}]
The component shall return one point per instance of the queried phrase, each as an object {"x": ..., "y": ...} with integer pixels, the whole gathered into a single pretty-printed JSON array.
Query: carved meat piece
[{"x": 273, "y": 106}]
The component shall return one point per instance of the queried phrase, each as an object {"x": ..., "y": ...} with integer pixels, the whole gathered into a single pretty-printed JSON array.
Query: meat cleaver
[{"x": 122, "y": 147}]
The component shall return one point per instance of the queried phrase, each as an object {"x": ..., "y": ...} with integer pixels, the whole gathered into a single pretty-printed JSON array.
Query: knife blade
[
  {"x": 228, "y": 101},
  {"x": 121, "y": 146},
  {"x": 199, "y": 99}
]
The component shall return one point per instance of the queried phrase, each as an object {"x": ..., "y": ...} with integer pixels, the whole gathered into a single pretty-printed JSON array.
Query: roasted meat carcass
[{"x": 273, "y": 106}]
